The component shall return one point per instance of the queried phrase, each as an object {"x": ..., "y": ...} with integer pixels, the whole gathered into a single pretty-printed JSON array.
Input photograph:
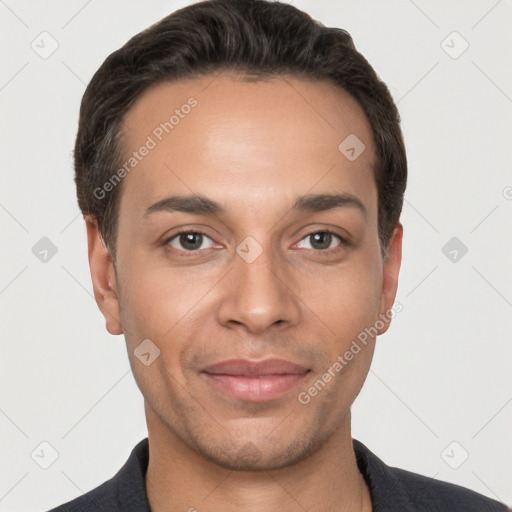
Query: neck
[{"x": 178, "y": 478}]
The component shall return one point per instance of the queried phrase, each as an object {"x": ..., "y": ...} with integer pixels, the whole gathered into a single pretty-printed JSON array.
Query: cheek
[
  {"x": 161, "y": 304},
  {"x": 345, "y": 300}
]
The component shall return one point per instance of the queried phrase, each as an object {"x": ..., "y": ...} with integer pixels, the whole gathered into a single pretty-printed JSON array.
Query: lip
[{"x": 255, "y": 381}]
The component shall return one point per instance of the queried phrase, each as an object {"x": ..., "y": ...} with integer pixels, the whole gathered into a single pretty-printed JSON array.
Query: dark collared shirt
[{"x": 391, "y": 489}]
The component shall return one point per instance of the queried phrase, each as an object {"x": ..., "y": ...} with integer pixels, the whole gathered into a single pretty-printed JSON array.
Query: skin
[{"x": 253, "y": 147}]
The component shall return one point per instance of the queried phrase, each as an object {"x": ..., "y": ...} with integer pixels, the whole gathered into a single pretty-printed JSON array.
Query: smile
[{"x": 255, "y": 381}]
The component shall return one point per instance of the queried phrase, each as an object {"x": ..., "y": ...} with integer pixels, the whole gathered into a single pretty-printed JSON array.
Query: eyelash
[{"x": 343, "y": 241}]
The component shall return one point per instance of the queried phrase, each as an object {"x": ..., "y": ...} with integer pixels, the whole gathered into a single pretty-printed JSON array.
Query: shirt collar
[{"x": 386, "y": 490}]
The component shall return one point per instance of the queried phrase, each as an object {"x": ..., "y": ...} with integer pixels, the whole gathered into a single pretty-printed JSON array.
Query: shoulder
[
  {"x": 436, "y": 495},
  {"x": 124, "y": 491},
  {"x": 394, "y": 489},
  {"x": 102, "y": 498}
]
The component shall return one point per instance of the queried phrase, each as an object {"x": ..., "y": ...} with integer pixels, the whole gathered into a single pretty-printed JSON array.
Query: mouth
[{"x": 255, "y": 381}]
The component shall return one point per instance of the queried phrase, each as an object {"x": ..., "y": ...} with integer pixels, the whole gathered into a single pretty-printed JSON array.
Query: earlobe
[
  {"x": 390, "y": 272},
  {"x": 103, "y": 276}
]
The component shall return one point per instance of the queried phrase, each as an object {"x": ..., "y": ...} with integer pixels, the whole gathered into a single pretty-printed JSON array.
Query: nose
[{"x": 258, "y": 295}]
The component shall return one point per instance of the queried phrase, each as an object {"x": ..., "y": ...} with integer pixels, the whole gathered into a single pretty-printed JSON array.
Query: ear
[
  {"x": 103, "y": 275},
  {"x": 390, "y": 271}
]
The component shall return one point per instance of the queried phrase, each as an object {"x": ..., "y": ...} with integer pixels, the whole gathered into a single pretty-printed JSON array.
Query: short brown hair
[{"x": 256, "y": 37}]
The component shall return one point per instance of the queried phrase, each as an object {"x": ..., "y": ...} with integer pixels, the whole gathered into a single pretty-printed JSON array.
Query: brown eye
[
  {"x": 321, "y": 241},
  {"x": 190, "y": 241}
]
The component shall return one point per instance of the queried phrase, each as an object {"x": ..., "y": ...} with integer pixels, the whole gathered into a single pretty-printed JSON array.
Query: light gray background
[{"x": 443, "y": 371}]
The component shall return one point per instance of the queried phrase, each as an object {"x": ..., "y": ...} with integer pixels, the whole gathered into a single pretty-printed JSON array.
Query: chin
[{"x": 260, "y": 455}]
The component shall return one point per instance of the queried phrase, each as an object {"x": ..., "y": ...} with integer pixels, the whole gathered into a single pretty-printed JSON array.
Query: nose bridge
[{"x": 259, "y": 294}]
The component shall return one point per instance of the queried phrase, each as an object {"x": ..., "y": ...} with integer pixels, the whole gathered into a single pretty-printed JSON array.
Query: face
[{"x": 277, "y": 274}]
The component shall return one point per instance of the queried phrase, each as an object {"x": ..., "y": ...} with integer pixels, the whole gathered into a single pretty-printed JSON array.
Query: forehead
[{"x": 245, "y": 142}]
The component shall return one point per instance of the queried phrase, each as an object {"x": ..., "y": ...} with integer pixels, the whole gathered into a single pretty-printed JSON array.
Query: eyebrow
[{"x": 202, "y": 205}]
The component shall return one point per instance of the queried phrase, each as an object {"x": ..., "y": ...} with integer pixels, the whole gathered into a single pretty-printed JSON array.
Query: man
[{"x": 241, "y": 171}]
